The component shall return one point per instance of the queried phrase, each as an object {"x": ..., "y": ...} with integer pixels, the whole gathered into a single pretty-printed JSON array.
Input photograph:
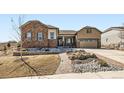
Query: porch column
[
  {"x": 63, "y": 39},
  {"x": 72, "y": 40}
]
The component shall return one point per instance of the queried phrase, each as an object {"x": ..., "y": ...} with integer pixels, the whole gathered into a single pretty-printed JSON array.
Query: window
[
  {"x": 89, "y": 30},
  {"x": 29, "y": 36},
  {"x": 39, "y": 36},
  {"x": 52, "y": 35}
]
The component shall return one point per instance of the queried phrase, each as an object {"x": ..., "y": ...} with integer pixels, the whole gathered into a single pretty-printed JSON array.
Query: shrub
[
  {"x": 8, "y": 45},
  {"x": 18, "y": 45},
  {"x": 81, "y": 57},
  {"x": 24, "y": 49},
  {"x": 93, "y": 56},
  {"x": 72, "y": 57},
  {"x": 103, "y": 63},
  {"x": 5, "y": 50}
]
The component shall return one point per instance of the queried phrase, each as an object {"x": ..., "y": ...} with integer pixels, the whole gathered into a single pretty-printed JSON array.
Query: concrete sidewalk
[{"x": 99, "y": 75}]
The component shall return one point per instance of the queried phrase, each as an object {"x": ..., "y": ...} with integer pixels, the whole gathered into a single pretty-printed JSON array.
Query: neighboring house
[
  {"x": 113, "y": 38},
  {"x": 35, "y": 34}
]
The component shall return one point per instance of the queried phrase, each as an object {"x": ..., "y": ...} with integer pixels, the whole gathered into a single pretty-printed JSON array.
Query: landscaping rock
[{"x": 86, "y": 62}]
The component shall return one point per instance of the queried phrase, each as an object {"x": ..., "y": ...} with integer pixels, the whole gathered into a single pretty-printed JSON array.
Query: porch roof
[{"x": 67, "y": 32}]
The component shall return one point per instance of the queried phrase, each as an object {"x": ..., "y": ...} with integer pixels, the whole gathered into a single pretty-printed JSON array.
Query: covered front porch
[{"x": 67, "y": 41}]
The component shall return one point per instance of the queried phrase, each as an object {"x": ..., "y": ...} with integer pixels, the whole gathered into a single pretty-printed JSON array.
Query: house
[
  {"x": 113, "y": 38},
  {"x": 36, "y": 34}
]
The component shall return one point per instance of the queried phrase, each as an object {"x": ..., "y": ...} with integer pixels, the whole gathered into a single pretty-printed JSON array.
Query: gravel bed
[
  {"x": 92, "y": 65},
  {"x": 83, "y": 61}
]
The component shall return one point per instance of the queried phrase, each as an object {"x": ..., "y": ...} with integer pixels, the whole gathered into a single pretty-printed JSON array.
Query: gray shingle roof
[
  {"x": 89, "y": 27},
  {"x": 115, "y": 28},
  {"x": 50, "y": 26},
  {"x": 86, "y": 27},
  {"x": 32, "y": 21}
]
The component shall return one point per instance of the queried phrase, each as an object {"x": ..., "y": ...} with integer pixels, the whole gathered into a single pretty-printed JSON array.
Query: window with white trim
[
  {"x": 29, "y": 36},
  {"x": 52, "y": 35},
  {"x": 39, "y": 36}
]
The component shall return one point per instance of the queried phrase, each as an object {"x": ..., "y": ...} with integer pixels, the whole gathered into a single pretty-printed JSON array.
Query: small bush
[
  {"x": 93, "y": 56},
  {"x": 72, "y": 57},
  {"x": 24, "y": 49},
  {"x": 18, "y": 45},
  {"x": 8, "y": 45},
  {"x": 103, "y": 63},
  {"x": 82, "y": 57}
]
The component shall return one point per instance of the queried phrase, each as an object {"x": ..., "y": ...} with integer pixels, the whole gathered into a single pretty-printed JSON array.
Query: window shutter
[{"x": 43, "y": 37}]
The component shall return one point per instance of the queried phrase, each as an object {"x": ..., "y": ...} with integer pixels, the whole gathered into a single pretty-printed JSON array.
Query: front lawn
[{"x": 12, "y": 66}]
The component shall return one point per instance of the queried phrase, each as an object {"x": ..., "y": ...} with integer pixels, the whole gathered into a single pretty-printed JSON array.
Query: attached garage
[
  {"x": 88, "y": 37},
  {"x": 88, "y": 43}
]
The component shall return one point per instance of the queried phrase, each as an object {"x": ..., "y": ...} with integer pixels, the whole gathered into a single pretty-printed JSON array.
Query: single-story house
[
  {"x": 36, "y": 34},
  {"x": 113, "y": 37}
]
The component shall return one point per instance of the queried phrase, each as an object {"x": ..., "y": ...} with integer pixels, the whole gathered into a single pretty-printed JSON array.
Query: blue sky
[{"x": 63, "y": 21}]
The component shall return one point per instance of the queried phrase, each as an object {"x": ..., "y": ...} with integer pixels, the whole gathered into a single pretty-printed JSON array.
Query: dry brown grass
[{"x": 11, "y": 66}]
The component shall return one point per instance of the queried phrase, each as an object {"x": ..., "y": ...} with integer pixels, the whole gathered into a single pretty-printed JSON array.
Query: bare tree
[{"x": 17, "y": 28}]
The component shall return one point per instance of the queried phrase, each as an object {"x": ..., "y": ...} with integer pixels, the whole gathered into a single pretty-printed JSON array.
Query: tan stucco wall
[
  {"x": 55, "y": 33},
  {"x": 53, "y": 42}
]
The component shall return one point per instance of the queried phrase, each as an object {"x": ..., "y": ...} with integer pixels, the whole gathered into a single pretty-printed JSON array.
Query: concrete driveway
[{"x": 116, "y": 55}]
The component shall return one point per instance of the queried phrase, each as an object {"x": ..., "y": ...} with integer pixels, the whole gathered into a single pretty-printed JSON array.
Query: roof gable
[
  {"x": 32, "y": 21},
  {"x": 90, "y": 27}
]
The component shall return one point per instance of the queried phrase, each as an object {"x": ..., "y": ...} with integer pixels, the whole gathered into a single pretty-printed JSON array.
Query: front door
[{"x": 60, "y": 42}]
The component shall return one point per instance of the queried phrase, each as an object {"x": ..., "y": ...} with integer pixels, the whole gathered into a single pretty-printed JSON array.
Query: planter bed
[
  {"x": 89, "y": 62},
  {"x": 25, "y": 53}
]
